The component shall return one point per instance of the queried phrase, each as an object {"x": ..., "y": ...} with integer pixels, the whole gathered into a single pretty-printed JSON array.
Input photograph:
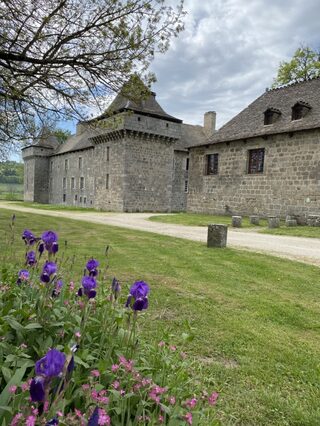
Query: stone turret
[
  {"x": 36, "y": 159},
  {"x": 209, "y": 123}
]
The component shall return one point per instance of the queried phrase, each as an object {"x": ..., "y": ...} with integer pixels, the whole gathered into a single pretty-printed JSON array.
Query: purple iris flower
[
  {"x": 37, "y": 391},
  {"x": 23, "y": 276},
  {"x": 28, "y": 237},
  {"x": 31, "y": 258},
  {"x": 92, "y": 266},
  {"x": 138, "y": 296},
  {"x": 51, "y": 365},
  {"x": 49, "y": 268},
  {"x": 50, "y": 242},
  {"x": 88, "y": 284},
  {"x": 94, "y": 419}
]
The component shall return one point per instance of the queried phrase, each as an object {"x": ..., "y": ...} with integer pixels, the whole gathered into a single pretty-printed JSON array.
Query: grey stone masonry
[
  {"x": 273, "y": 222},
  {"x": 217, "y": 235},
  {"x": 254, "y": 220},
  {"x": 288, "y": 184}
]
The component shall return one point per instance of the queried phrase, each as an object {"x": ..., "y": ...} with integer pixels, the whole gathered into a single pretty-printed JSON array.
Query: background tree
[
  {"x": 60, "y": 58},
  {"x": 304, "y": 65}
]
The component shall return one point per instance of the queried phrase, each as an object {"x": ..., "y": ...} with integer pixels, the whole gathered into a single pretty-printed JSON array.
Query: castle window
[
  {"x": 80, "y": 162},
  {"x": 72, "y": 183},
  {"x": 139, "y": 118},
  {"x": 80, "y": 199},
  {"x": 271, "y": 115},
  {"x": 212, "y": 161},
  {"x": 186, "y": 186},
  {"x": 64, "y": 183},
  {"x": 81, "y": 182},
  {"x": 84, "y": 200},
  {"x": 66, "y": 164},
  {"x": 51, "y": 165},
  {"x": 76, "y": 197},
  {"x": 107, "y": 181},
  {"x": 256, "y": 161},
  {"x": 187, "y": 163},
  {"x": 64, "y": 198},
  {"x": 299, "y": 110},
  {"x": 108, "y": 153}
]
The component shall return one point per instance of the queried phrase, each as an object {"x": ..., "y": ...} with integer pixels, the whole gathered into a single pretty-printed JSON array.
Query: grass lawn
[
  {"x": 255, "y": 317},
  {"x": 197, "y": 219},
  {"x": 11, "y": 191}
]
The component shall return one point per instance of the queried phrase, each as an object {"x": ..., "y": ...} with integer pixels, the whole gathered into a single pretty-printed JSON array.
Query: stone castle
[{"x": 265, "y": 161}]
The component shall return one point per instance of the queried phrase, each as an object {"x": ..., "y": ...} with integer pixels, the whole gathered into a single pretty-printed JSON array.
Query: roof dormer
[
  {"x": 300, "y": 110},
  {"x": 271, "y": 115}
]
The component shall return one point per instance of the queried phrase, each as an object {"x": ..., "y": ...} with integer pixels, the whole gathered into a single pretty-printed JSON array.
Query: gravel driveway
[{"x": 303, "y": 249}]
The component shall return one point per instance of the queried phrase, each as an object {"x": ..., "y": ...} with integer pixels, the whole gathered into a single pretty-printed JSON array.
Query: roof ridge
[{"x": 295, "y": 83}]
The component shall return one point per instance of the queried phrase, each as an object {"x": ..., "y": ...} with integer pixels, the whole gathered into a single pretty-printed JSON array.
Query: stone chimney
[{"x": 209, "y": 123}]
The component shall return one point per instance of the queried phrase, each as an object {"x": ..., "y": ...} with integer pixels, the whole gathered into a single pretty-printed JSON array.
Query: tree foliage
[
  {"x": 59, "y": 58},
  {"x": 304, "y": 65}
]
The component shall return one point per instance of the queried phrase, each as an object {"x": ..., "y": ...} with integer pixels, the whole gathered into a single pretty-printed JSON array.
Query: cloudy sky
[{"x": 229, "y": 53}]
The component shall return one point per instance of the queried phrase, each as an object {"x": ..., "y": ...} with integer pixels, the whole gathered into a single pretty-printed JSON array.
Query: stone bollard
[
  {"x": 217, "y": 235},
  {"x": 273, "y": 222},
  {"x": 313, "y": 220},
  {"x": 236, "y": 221},
  {"x": 254, "y": 220}
]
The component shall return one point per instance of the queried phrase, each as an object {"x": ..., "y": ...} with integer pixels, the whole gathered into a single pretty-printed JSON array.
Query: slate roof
[
  {"x": 250, "y": 122},
  {"x": 190, "y": 136},
  {"x": 148, "y": 106}
]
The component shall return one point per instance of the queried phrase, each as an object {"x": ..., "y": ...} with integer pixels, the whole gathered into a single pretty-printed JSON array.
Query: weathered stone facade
[
  {"x": 289, "y": 184},
  {"x": 284, "y": 180},
  {"x": 133, "y": 160}
]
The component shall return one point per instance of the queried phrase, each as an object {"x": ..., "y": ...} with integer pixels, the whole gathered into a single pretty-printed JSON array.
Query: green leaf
[
  {"x": 79, "y": 361},
  {"x": 14, "y": 324},
  {"x": 33, "y": 326},
  {"x": 7, "y": 373},
  {"x": 16, "y": 379}
]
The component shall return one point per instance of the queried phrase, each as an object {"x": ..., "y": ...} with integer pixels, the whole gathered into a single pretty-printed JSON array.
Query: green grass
[
  {"x": 256, "y": 317},
  {"x": 197, "y": 219},
  {"x": 297, "y": 231}
]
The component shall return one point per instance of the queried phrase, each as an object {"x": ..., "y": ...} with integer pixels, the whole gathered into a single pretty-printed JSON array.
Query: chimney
[{"x": 209, "y": 123}]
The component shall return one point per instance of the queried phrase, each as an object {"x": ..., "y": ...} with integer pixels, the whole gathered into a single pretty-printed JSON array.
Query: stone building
[
  {"x": 265, "y": 161},
  {"x": 135, "y": 158}
]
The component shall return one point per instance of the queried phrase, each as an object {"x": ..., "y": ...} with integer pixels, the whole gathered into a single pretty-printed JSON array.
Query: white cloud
[{"x": 229, "y": 53}]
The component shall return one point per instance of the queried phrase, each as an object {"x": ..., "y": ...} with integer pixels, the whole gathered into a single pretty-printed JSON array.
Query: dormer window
[
  {"x": 299, "y": 110},
  {"x": 271, "y": 115}
]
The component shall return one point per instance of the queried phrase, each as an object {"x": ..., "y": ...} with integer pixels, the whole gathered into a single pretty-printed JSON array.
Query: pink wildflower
[
  {"x": 191, "y": 403},
  {"x": 115, "y": 367},
  {"x": 122, "y": 392},
  {"x": 161, "y": 419},
  {"x": 212, "y": 400},
  {"x": 15, "y": 420},
  {"x": 12, "y": 389},
  {"x": 183, "y": 355},
  {"x": 24, "y": 386},
  {"x": 94, "y": 394},
  {"x": 31, "y": 421},
  {"x": 71, "y": 286},
  {"x": 104, "y": 419},
  {"x": 173, "y": 348},
  {"x": 77, "y": 334},
  {"x": 60, "y": 413},
  {"x": 78, "y": 413},
  {"x": 46, "y": 406},
  {"x": 85, "y": 387},
  {"x": 23, "y": 346},
  {"x": 161, "y": 344},
  {"x": 116, "y": 384},
  {"x": 66, "y": 302},
  {"x": 103, "y": 399},
  {"x": 172, "y": 400},
  {"x": 188, "y": 418},
  {"x": 95, "y": 373},
  {"x": 146, "y": 382},
  {"x": 81, "y": 304}
]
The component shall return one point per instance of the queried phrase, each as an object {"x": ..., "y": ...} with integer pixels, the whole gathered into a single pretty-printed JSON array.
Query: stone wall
[
  {"x": 148, "y": 173},
  {"x": 36, "y": 174},
  {"x": 180, "y": 182},
  {"x": 289, "y": 184}
]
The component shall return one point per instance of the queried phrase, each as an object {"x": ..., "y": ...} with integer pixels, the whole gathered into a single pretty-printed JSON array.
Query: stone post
[
  {"x": 273, "y": 222},
  {"x": 217, "y": 235},
  {"x": 236, "y": 221},
  {"x": 291, "y": 221},
  {"x": 254, "y": 220}
]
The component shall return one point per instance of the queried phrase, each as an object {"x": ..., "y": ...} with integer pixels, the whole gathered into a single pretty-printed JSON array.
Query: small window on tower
[{"x": 81, "y": 182}]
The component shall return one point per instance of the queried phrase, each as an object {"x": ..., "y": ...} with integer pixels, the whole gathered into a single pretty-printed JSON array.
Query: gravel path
[{"x": 303, "y": 249}]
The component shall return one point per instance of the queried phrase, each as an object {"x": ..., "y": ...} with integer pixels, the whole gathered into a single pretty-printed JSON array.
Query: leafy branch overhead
[
  {"x": 304, "y": 65},
  {"x": 58, "y": 58}
]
